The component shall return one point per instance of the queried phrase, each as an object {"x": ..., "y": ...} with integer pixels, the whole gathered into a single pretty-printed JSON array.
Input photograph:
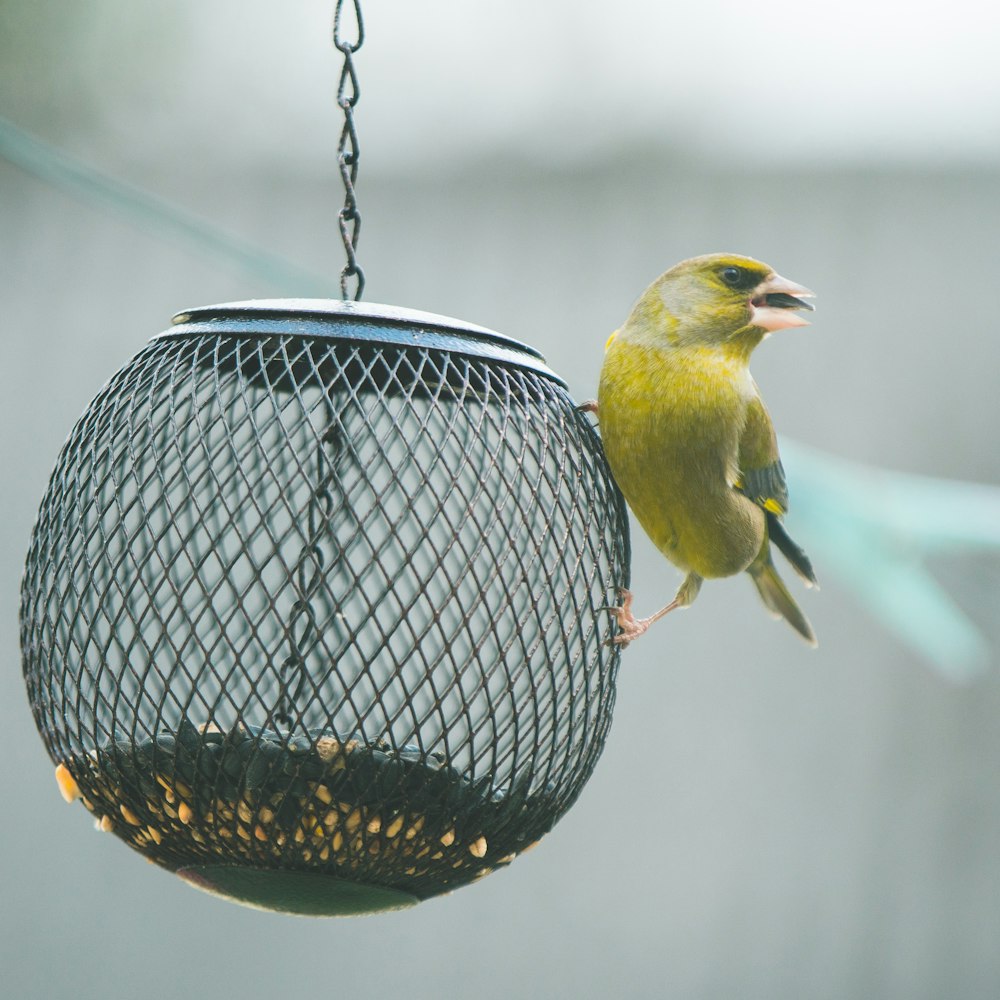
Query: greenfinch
[{"x": 686, "y": 433}]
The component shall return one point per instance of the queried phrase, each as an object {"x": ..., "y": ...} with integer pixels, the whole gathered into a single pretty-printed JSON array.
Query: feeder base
[{"x": 302, "y": 893}]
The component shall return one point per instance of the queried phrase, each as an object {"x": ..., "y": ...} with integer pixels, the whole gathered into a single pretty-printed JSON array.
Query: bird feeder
[{"x": 312, "y": 612}]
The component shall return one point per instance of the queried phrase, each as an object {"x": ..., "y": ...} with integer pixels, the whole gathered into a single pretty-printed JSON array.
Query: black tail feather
[{"x": 799, "y": 560}]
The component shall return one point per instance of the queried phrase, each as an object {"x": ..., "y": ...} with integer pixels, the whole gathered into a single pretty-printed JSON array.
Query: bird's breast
[
  {"x": 670, "y": 423},
  {"x": 689, "y": 406}
]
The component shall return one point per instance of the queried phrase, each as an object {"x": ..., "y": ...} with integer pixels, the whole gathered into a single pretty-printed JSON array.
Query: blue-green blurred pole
[{"x": 154, "y": 214}]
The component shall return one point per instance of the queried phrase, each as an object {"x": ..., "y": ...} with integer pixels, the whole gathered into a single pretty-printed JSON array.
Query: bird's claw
[{"x": 630, "y": 626}]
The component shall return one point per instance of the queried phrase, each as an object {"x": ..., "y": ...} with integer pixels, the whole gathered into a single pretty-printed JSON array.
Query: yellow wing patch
[{"x": 765, "y": 487}]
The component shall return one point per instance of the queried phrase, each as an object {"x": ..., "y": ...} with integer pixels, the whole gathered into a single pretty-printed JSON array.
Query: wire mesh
[{"x": 314, "y": 603}]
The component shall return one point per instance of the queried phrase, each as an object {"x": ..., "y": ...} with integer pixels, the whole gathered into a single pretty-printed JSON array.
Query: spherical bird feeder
[{"x": 312, "y": 612}]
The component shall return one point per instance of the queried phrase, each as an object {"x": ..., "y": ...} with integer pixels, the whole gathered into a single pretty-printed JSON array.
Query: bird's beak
[{"x": 774, "y": 303}]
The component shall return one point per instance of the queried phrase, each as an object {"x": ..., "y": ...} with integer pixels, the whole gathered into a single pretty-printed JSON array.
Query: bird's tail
[
  {"x": 776, "y": 597},
  {"x": 792, "y": 552}
]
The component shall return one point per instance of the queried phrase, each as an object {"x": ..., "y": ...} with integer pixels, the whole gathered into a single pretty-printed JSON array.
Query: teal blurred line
[
  {"x": 153, "y": 214},
  {"x": 873, "y": 529}
]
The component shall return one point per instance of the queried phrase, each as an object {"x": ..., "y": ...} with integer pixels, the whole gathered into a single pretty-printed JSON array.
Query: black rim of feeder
[
  {"x": 316, "y": 590},
  {"x": 365, "y": 322}
]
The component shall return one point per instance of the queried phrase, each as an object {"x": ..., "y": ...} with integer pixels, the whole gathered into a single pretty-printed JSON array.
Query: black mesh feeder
[{"x": 312, "y": 612}]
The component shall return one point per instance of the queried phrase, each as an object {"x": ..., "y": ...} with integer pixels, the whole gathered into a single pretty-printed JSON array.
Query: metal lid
[{"x": 335, "y": 319}]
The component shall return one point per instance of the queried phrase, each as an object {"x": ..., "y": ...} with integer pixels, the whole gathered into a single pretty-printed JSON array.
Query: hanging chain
[
  {"x": 301, "y": 632},
  {"x": 347, "y": 150}
]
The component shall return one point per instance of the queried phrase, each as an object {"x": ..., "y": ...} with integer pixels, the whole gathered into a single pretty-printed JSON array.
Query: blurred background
[{"x": 767, "y": 821}]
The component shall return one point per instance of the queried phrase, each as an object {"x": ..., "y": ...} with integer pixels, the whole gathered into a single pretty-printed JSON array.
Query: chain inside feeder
[{"x": 312, "y": 608}]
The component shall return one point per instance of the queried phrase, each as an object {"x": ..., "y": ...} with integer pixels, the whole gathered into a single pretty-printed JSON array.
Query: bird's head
[{"x": 720, "y": 298}]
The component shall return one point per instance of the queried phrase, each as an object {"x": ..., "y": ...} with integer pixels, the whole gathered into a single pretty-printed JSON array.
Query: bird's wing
[{"x": 762, "y": 478}]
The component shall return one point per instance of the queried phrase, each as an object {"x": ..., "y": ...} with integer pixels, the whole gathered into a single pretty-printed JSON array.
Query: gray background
[{"x": 766, "y": 821}]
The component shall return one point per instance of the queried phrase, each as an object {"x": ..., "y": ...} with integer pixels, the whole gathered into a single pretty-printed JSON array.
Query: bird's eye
[{"x": 736, "y": 277}]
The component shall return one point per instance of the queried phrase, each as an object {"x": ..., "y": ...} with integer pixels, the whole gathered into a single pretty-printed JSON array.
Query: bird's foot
[
  {"x": 632, "y": 627},
  {"x": 588, "y": 406},
  {"x": 629, "y": 626}
]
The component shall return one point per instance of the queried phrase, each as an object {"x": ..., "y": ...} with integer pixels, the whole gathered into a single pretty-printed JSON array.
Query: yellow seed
[
  {"x": 506, "y": 859},
  {"x": 224, "y": 831},
  {"x": 449, "y": 838},
  {"x": 478, "y": 848},
  {"x": 410, "y": 871},
  {"x": 129, "y": 816},
  {"x": 331, "y": 819},
  {"x": 68, "y": 787},
  {"x": 163, "y": 782},
  {"x": 337, "y": 841},
  {"x": 482, "y": 873},
  {"x": 324, "y": 854},
  {"x": 357, "y": 845},
  {"x": 327, "y": 748},
  {"x": 281, "y": 838},
  {"x": 105, "y": 824},
  {"x": 242, "y": 832},
  {"x": 392, "y": 830},
  {"x": 155, "y": 834},
  {"x": 259, "y": 832},
  {"x": 209, "y": 818},
  {"x": 415, "y": 828},
  {"x": 324, "y": 794},
  {"x": 436, "y": 856},
  {"x": 374, "y": 824},
  {"x": 266, "y": 815},
  {"x": 353, "y": 821},
  {"x": 170, "y": 811},
  {"x": 458, "y": 864},
  {"x": 423, "y": 852},
  {"x": 195, "y": 835},
  {"x": 184, "y": 812},
  {"x": 168, "y": 794},
  {"x": 300, "y": 835},
  {"x": 244, "y": 811},
  {"x": 374, "y": 846},
  {"x": 182, "y": 789},
  {"x": 307, "y": 855}
]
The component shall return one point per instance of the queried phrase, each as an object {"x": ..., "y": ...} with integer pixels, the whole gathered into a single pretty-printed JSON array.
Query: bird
[{"x": 688, "y": 438}]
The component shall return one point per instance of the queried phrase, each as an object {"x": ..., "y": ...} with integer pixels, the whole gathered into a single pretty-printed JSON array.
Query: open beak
[{"x": 774, "y": 303}]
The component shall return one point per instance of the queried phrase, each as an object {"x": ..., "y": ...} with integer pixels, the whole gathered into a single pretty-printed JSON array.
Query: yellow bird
[{"x": 687, "y": 435}]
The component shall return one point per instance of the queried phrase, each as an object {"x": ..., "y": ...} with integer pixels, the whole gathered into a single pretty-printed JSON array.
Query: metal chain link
[
  {"x": 301, "y": 632},
  {"x": 348, "y": 42}
]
